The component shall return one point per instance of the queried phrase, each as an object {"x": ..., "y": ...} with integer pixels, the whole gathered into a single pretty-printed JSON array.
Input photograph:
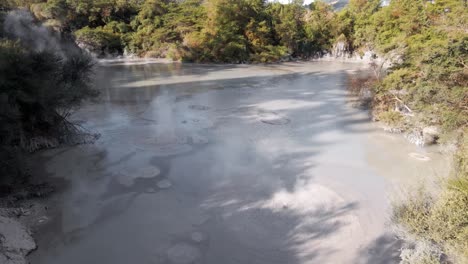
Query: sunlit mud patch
[
  {"x": 308, "y": 220},
  {"x": 419, "y": 156},
  {"x": 127, "y": 177},
  {"x": 273, "y": 118},
  {"x": 199, "y": 107},
  {"x": 183, "y": 253}
]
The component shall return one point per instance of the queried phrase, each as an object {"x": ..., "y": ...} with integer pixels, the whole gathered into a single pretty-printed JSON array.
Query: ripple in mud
[
  {"x": 272, "y": 118},
  {"x": 198, "y": 237},
  {"x": 167, "y": 145},
  {"x": 183, "y": 254},
  {"x": 171, "y": 150},
  {"x": 419, "y": 156},
  {"x": 199, "y": 107},
  {"x": 198, "y": 139},
  {"x": 196, "y": 123},
  {"x": 164, "y": 184},
  {"x": 183, "y": 97}
]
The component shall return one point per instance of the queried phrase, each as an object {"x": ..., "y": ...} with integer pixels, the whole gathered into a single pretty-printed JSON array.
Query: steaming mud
[{"x": 210, "y": 164}]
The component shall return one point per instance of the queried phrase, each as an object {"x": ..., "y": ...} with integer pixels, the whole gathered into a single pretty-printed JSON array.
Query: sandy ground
[{"x": 227, "y": 164}]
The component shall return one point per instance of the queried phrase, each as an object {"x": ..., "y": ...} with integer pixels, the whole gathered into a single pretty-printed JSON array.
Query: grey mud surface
[{"x": 227, "y": 164}]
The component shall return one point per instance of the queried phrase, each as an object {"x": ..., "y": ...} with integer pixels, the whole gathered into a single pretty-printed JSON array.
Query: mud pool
[{"x": 227, "y": 164}]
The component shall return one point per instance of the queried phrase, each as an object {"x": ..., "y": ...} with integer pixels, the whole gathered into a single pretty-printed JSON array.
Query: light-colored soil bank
[{"x": 228, "y": 164}]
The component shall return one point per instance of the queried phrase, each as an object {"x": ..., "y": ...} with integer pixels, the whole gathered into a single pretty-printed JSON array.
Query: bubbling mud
[
  {"x": 199, "y": 107},
  {"x": 183, "y": 254},
  {"x": 418, "y": 156},
  {"x": 127, "y": 176},
  {"x": 164, "y": 184},
  {"x": 198, "y": 237},
  {"x": 273, "y": 118}
]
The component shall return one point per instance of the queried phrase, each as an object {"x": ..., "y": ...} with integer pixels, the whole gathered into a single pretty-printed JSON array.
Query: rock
[
  {"x": 430, "y": 135},
  {"x": 183, "y": 254},
  {"x": 16, "y": 241}
]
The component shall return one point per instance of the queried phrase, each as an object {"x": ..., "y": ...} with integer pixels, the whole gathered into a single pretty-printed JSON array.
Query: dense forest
[{"x": 426, "y": 86}]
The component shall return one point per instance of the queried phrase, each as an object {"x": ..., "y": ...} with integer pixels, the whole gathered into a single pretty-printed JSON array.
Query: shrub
[
  {"x": 414, "y": 212},
  {"x": 99, "y": 40},
  {"x": 442, "y": 219},
  {"x": 391, "y": 118},
  {"x": 423, "y": 252},
  {"x": 34, "y": 109}
]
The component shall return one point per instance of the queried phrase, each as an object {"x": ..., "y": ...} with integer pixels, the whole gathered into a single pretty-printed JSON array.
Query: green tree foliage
[
  {"x": 193, "y": 30},
  {"x": 434, "y": 50},
  {"x": 319, "y": 28},
  {"x": 288, "y": 25},
  {"x": 427, "y": 39}
]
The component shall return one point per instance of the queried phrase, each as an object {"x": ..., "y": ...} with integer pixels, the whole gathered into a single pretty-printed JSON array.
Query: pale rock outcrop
[{"x": 15, "y": 241}]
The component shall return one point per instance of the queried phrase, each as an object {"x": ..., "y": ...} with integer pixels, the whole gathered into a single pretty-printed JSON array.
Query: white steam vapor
[{"x": 19, "y": 24}]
